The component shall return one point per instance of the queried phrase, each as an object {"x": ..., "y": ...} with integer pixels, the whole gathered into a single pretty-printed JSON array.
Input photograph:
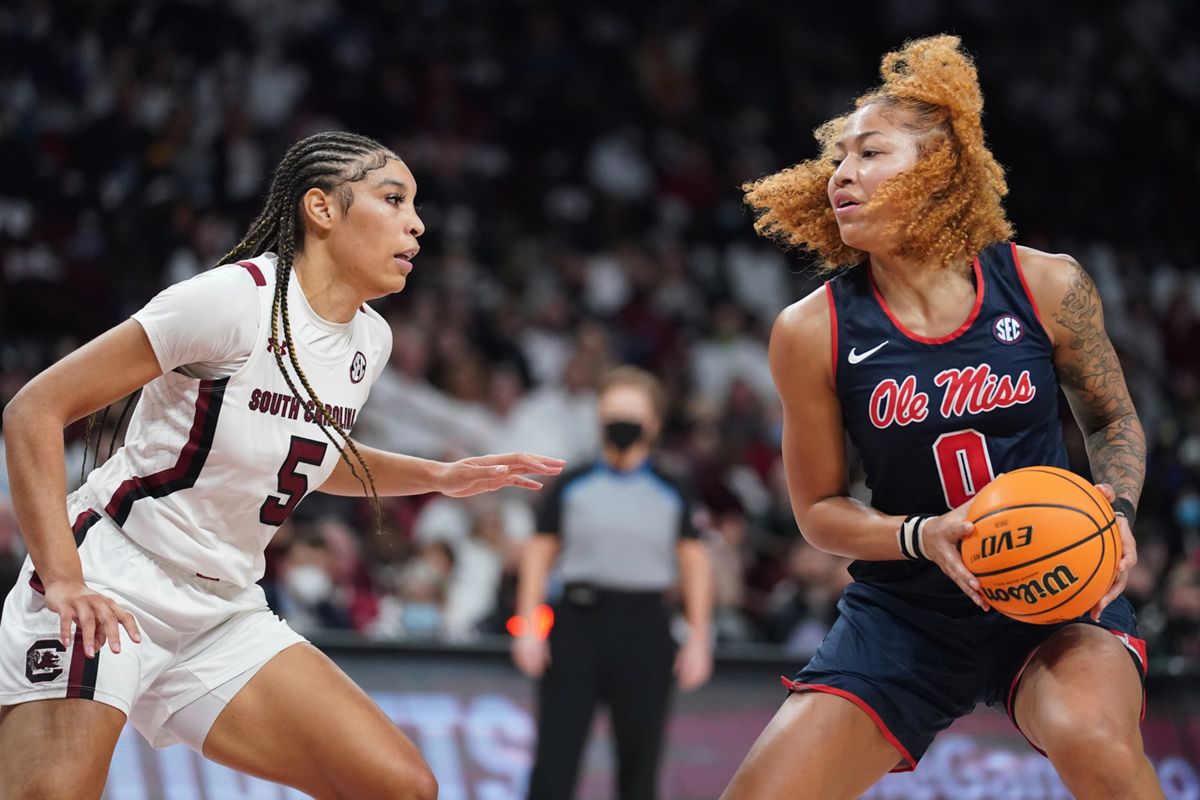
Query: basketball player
[
  {"x": 253, "y": 374},
  {"x": 940, "y": 352}
]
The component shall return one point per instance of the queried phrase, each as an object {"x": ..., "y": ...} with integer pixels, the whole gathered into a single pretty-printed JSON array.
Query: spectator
[
  {"x": 414, "y": 607},
  {"x": 308, "y": 595}
]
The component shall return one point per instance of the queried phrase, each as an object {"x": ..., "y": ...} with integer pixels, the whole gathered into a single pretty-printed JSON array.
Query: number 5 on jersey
[
  {"x": 293, "y": 485},
  {"x": 963, "y": 465}
]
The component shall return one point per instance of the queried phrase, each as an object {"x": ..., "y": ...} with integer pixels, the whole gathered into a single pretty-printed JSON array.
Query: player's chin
[
  {"x": 854, "y": 236},
  {"x": 391, "y": 285}
]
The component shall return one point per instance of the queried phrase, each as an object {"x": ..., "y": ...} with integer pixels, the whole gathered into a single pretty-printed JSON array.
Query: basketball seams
[
  {"x": 1070, "y": 477},
  {"x": 1071, "y": 546},
  {"x": 1004, "y": 509},
  {"x": 1116, "y": 532},
  {"x": 1083, "y": 486}
]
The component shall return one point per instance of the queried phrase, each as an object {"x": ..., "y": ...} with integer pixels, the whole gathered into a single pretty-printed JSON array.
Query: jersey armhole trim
[
  {"x": 833, "y": 333},
  {"x": 1025, "y": 284},
  {"x": 254, "y": 271}
]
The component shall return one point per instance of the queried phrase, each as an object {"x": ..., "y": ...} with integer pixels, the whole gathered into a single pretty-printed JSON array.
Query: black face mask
[{"x": 622, "y": 434}]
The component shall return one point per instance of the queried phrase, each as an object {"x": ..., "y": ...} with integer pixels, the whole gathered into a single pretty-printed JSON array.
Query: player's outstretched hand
[
  {"x": 478, "y": 474},
  {"x": 98, "y": 618},
  {"x": 939, "y": 539},
  {"x": 1129, "y": 556}
]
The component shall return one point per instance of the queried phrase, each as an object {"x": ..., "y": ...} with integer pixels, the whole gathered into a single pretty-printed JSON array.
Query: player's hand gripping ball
[{"x": 1045, "y": 546}]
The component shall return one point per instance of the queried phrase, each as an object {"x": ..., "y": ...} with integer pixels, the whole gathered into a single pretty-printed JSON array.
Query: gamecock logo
[{"x": 43, "y": 660}]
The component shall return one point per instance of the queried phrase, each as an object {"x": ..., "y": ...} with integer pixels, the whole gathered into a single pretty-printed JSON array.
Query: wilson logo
[{"x": 1033, "y": 591}]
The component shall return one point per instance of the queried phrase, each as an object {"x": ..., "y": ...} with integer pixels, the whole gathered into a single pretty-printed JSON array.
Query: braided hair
[{"x": 328, "y": 161}]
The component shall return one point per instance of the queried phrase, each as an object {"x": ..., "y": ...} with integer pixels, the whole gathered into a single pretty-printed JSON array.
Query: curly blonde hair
[{"x": 950, "y": 202}]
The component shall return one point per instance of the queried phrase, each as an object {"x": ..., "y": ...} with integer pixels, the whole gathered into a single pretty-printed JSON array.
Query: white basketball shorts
[{"x": 197, "y": 634}]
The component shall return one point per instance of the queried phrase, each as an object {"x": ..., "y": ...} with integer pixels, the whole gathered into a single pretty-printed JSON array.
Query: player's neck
[
  {"x": 922, "y": 293},
  {"x": 627, "y": 459},
  {"x": 329, "y": 298}
]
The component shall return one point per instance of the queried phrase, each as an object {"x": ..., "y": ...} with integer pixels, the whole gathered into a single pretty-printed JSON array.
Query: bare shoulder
[
  {"x": 1064, "y": 292},
  {"x": 1047, "y": 269},
  {"x": 801, "y": 338},
  {"x": 807, "y": 316},
  {"x": 1052, "y": 276}
]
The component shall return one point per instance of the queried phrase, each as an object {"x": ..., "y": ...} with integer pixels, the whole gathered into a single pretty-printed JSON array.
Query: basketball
[{"x": 1045, "y": 546}]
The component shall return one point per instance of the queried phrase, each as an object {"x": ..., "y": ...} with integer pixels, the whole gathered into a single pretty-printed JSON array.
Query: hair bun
[{"x": 934, "y": 70}]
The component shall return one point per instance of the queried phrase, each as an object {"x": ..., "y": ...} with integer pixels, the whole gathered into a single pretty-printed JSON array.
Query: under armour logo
[
  {"x": 855, "y": 358},
  {"x": 273, "y": 347}
]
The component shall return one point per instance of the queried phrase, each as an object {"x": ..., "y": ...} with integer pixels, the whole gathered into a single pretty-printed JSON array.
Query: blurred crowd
[{"x": 579, "y": 167}]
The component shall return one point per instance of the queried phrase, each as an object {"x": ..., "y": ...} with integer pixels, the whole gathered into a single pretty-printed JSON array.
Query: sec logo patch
[
  {"x": 358, "y": 368},
  {"x": 1007, "y": 329}
]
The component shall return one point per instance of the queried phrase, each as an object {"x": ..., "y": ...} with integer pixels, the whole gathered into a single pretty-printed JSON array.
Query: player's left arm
[
  {"x": 396, "y": 474},
  {"x": 1091, "y": 377}
]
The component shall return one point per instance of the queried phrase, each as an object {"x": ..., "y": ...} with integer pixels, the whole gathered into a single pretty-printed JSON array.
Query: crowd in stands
[{"x": 579, "y": 166}]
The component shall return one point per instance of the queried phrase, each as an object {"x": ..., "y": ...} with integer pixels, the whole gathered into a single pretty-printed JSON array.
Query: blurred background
[{"x": 579, "y": 167}]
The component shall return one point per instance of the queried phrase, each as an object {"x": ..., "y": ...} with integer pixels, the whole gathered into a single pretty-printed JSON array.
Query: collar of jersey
[
  {"x": 604, "y": 466},
  {"x": 312, "y": 316},
  {"x": 913, "y": 336}
]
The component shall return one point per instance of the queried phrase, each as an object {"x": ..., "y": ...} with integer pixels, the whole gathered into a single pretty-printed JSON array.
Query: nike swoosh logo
[{"x": 855, "y": 358}]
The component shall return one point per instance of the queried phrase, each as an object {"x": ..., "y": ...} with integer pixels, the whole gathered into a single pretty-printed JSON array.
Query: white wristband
[{"x": 909, "y": 537}]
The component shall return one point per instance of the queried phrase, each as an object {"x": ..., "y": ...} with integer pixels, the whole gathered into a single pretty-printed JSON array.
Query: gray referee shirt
[{"x": 618, "y": 529}]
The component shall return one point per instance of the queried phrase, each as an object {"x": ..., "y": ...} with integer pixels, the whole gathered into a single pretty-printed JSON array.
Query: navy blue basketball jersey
[{"x": 934, "y": 420}]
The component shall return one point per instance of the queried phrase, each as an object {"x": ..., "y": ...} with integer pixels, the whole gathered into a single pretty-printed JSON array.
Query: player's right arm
[
  {"x": 814, "y": 455},
  {"x": 101, "y": 372}
]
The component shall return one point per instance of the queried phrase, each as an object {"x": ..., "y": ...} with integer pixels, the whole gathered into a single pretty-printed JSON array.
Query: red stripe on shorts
[
  {"x": 911, "y": 763},
  {"x": 75, "y": 675}
]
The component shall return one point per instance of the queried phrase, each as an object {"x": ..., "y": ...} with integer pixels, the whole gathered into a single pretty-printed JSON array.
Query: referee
[{"x": 623, "y": 537}]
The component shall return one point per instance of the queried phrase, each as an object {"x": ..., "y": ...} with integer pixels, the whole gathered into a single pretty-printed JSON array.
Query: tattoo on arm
[{"x": 1089, "y": 369}]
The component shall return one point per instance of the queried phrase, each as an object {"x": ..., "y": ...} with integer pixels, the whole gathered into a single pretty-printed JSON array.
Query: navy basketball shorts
[{"x": 915, "y": 669}]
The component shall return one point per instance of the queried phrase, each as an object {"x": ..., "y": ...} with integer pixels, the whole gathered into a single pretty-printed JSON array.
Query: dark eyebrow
[
  {"x": 390, "y": 182},
  {"x": 858, "y": 138}
]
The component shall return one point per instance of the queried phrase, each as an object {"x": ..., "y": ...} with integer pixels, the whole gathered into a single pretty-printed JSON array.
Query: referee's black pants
[{"x": 617, "y": 648}]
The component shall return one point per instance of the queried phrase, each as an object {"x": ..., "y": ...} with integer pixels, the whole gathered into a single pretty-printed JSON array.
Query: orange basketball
[{"x": 1045, "y": 546}]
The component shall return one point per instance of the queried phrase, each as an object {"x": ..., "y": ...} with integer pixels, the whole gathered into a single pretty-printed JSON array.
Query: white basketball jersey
[{"x": 210, "y": 468}]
